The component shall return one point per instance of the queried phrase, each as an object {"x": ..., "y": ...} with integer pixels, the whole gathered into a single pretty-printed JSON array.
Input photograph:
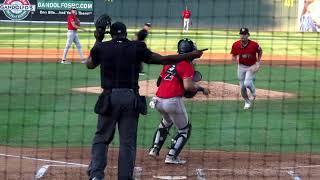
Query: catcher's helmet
[{"x": 186, "y": 45}]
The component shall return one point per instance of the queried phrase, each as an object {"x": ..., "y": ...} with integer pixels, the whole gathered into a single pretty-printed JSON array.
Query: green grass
[
  {"x": 37, "y": 108},
  {"x": 219, "y": 41}
]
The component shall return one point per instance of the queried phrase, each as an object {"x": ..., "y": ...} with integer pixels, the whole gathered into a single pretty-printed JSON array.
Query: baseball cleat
[
  {"x": 65, "y": 62},
  {"x": 247, "y": 105},
  {"x": 95, "y": 178},
  {"x": 173, "y": 160},
  {"x": 154, "y": 152},
  {"x": 253, "y": 97},
  {"x": 84, "y": 61}
]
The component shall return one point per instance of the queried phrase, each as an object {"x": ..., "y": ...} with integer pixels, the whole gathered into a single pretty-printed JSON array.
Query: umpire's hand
[{"x": 195, "y": 54}]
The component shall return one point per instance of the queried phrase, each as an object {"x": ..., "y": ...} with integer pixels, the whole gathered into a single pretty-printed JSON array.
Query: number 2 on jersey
[{"x": 168, "y": 77}]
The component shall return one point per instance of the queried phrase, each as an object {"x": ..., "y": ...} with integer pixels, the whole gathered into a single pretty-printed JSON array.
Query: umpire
[{"x": 120, "y": 103}]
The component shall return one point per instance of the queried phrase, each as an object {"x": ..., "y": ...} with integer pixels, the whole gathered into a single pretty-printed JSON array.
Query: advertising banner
[{"x": 45, "y": 10}]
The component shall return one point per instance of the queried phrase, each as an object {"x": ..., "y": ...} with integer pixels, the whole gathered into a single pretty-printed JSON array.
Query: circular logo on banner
[{"x": 17, "y": 9}]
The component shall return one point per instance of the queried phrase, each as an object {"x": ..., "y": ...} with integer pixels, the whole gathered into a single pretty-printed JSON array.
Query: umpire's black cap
[
  {"x": 118, "y": 28},
  {"x": 244, "y": 31}
]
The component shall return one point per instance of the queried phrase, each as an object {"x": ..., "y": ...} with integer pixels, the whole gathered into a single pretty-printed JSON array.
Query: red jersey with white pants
[
  {"x": 186, "y": 14},
  {"x": 172, "y": 79},
  {"x": 70, "y": 19},
  {"x": 247, "y": 54}
]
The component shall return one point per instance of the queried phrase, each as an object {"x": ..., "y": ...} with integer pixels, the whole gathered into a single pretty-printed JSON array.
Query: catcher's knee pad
[
  {"x": 160, "y": 135},
  {"x": 180, "y": 140}
]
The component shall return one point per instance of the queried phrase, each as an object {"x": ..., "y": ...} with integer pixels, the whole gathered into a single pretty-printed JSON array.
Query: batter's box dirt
[
  {"x": 219, "y": 91},
  {"x": 214, "y": 164}
]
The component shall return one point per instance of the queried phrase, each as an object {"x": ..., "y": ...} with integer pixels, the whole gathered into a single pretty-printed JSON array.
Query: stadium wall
[{"x": 275, "y": 15}]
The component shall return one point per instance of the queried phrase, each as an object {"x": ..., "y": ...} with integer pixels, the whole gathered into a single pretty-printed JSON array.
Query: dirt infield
[
  {"x": 54, "y": 55},
  {"x": 219, "y": 91},
  {"x": 200, "y": 164}
]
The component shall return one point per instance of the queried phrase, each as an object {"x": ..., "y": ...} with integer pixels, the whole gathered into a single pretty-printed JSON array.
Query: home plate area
[{"x": 71, "y": 163}]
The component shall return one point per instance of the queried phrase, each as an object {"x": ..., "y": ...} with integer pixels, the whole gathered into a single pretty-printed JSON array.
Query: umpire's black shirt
[{"x": 120, "y": 62}]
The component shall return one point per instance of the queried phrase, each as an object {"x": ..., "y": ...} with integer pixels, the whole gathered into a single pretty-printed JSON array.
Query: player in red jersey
[
  {"x": 174, "y": 80},
  {"x": 186, "y": 15},
  {"x": 247, "y": 54},
  {"x": 73, "y": 24}
]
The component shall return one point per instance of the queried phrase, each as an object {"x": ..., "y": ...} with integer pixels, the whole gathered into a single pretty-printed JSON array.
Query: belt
[{"x": 120, "y": 90}]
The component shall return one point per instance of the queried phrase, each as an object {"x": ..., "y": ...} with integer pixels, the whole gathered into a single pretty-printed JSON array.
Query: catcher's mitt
[
  {"x": 190, "y": 94},
  {"x": 197, "y": 76},
  {"x": 102, "y": 23}
]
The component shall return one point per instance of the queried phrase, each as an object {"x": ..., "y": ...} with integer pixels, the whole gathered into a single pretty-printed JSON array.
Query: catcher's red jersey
[
  {"x": 71, "y": 18},
  {"x": 172, "y": 79},
  {"x": 247, "y": 54},
  {"x": 186, "y": 14}
]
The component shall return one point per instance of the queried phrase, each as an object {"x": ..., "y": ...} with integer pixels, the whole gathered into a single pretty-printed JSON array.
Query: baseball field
[{"x": 46, "y": 123}]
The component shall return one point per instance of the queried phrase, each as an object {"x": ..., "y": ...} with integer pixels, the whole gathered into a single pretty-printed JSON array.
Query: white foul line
[
  {"x": 43, "y": 160},
  {"x": 281, "y": 168}
]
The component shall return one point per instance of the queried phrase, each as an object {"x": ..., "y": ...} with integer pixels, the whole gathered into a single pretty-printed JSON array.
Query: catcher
[
  {"x": 247, "y": 54},
  {"x": 173, "y": 82}
]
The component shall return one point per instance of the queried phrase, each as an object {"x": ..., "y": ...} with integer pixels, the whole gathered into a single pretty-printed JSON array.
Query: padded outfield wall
[{"x": 276, "y": 15}]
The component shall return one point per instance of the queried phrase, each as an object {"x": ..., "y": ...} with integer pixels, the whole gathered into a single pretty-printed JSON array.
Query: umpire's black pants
[{"x": 123, "y": 113}]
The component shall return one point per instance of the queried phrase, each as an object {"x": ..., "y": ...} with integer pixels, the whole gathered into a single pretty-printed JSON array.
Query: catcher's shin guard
[
  {"x": 160, "y": 136},
  {"x": 180, "y": 140}
]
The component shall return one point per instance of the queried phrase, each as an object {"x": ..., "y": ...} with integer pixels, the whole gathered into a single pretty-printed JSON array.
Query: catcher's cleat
[
  {"x": 174, "y": 160},
  {"x": 95, "y": 178},
  {"x": 154, "y": 152},
  {"x": 247, "y": 105}
]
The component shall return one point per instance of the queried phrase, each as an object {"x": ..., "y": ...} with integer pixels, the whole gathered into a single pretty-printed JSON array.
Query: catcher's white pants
[
  {"x": 186, "y": 22},
  {"x": 246, "y": 79},
  {"x": 173, "y": 111},
  {"x": 72, "y": 36}
]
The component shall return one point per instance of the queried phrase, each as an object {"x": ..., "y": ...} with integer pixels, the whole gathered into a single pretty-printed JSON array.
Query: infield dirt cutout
[{"x": 219, "y": 91}]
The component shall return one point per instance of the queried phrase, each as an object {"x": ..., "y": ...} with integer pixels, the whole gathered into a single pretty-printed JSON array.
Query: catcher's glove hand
[
  {"x": 102, "y": 23},
  {"x": 197, "y": 76},
  {"x": 189, "y": 94}
]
